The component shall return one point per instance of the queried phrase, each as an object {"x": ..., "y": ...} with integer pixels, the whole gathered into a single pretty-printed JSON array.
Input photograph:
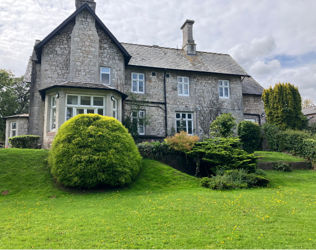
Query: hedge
[{"x": 24, "y": 141}]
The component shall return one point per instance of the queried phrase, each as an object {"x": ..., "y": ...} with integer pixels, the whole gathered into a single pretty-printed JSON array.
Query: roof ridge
[{"x": 157, "y": 46}]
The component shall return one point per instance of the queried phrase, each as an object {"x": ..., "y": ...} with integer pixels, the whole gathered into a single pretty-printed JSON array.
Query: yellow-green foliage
[
  {"x": 182, "y": 141},
  {"x": 91, "y": 150},
  {"x": 283, "y": 106}
]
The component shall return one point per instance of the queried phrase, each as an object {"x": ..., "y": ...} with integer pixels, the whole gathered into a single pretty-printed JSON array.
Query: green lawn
[
  {"x": 163, "y": 208},
  {"x": 267, "y": 156}
]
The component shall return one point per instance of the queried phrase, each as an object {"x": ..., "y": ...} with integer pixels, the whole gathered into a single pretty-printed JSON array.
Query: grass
[
  {"x": 163, "y": 208},
  {"x": 267, "y": 156}
]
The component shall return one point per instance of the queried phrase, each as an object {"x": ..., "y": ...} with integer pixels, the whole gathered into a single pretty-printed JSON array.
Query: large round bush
[
  {"x": 250, "y": 135},
  {"x": 91, "y": 150}
]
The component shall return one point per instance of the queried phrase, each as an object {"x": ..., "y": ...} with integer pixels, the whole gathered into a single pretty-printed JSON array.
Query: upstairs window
[
  {"x": 105, "y": 75},
  {"x": 139, "y": 116},
  {"x": 53, "y": 114},
  {"x": 183, "y": 86},
  {"x": 13, "y": 129},
  {"x": 138, "y": 83},
  {"x": 223, "y": 88},
  {"x": 184, "y": 122}
]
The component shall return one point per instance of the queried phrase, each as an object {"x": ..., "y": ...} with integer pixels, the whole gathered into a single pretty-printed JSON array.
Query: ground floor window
[
  {"x": 139, "y": 116},
  {"x": 53, "y": 113},
  {"x": 13, "y": 129},
  {"x": 114, "y": 108},
  {"x": 82, "y": 104},
  {"x": 251, "y": 120},
  {"x": 184, "y": 122}
]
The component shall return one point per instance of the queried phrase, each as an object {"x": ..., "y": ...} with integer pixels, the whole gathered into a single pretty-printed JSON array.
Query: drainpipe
[{"x": 165, "y": 93}]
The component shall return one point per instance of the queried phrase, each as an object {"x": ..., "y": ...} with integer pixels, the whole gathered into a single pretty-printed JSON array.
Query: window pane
[
  {"x": 105, "y": 70},
  {"x": 180, "y": 79},
  {"x": 141, "y": 113},
  {"x": 186, "y": 89},
  {"x": 80, "y": 111},
  {"x": 90, "y": 111},
  {"x": 85, "y": 100},
  {"x": 13, "y": 125},
  {"x": 134, "y": 114},
  {"x": 184, "y": 116},
  {"x": 226, "y": 92},
  {"x": 184, "y": 126},
  {"x": 141, "y": 129},
  {"x": 178, "y": 126},
  {"x": 180, "y": 92},
  {"x": 141, "y": 86},
  {"x": 141, "y": 77},
  {"x": 69, "y": 113},
  {"x": 135, "y": 77},
  {"x": 178, "y": 115},
  {"x": 100, "y": 111},
  {"x": 13, "y": 133},
  {"x": 72, "y": 100},
  {"x": 134, "y": 86},
  {"x": 105, "y": 78},
  {"x": 98, "y": 101},
  {"x": 189, "y": 116},
  {"x": 225, "y": 83},
  {"x": 220, "y": 83},
  {"x": 53, "y": 101},
  {"x": 190, "y": 127},
  {"x": 114, "y": 114},
  {"x": 114, "y": 104},
  {"x": 221, "y": 92},
  {"x": 186, "y": 80},
  {"x": 54, "y": 119}
]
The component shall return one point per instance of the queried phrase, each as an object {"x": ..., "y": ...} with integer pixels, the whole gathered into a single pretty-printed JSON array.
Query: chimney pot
[{"x": 189, "y": 45}]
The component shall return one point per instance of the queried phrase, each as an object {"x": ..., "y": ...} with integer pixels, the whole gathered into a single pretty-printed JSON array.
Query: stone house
[
  {"x": 81, "y": 68},
  {"x": 310, "y": 113}
]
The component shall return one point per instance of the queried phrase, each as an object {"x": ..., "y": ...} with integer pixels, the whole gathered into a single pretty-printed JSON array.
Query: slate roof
[
  {"x": 309, "y": 111},
  {"x": 251, "y": 87},
  {"x": 177, "y": 59},
  {"x": 17, "y": 116},
  {"x": 81, "y": 85}
]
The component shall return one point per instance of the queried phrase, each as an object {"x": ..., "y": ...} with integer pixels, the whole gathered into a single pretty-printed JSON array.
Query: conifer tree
[{"x": 283, "y": 106}]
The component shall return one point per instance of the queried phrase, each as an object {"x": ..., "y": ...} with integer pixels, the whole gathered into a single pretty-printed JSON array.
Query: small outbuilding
[{"x": 16, "y": 125}]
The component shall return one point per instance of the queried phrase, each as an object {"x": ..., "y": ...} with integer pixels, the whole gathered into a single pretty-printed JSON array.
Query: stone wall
[
  {"x": 253, "y": 105},
  {"x": 312, "y": 119},
  {"x": 84, "y": 62},
  {"x": 110, "y": 56},
  {"x": 202, "y": 86}
]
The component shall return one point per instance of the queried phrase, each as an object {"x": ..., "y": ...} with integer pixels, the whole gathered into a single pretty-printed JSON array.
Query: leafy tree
[
  {"x": 283, "y": 106},
  {"x": 134, "y": 104},
  {"x": 14, "y": 97},
  {"x": 250, "y": 135},
  {"x": 224, "y": 125},
  {"x": 308, "y": 103}
]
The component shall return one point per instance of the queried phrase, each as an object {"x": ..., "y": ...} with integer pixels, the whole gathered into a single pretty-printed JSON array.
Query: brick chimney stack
[
  {"x": 188, "y": 42},
  {"x": 91, "y": 3}
]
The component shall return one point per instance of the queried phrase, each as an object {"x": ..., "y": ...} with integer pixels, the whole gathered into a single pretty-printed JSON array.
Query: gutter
[{"x": 165, "y": 94}]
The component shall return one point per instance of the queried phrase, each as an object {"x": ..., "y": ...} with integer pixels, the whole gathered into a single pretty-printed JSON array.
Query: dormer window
[{"x": 105, "y": 75}]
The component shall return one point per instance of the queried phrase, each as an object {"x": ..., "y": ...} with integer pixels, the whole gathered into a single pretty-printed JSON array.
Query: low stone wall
[
  {"x": 294, "y": 165},
  {"x": 180, "y": 162}
]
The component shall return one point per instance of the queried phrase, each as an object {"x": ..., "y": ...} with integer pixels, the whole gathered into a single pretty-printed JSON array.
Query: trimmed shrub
[
  {"x": 182, "y": 141},
  {"x": 224, "y": 125},
  {"x": 24, "y": 141},
  {"x": 260, "y": 172},
  {"x": 232, "y": 179},
  {"x": 222, "y": 153},
  {"x": 153, "y": 150},
  {"x": 282, "y": 166},
  {"x": 91, "y": 150},
  {"x": 270, "y": 132},
  {"x": 250, "y": 135}
]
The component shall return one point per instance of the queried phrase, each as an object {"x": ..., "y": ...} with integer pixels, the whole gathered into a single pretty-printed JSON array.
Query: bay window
[
  {"x": 114, "y": 108},
  {"x": 53, "y": 114}
]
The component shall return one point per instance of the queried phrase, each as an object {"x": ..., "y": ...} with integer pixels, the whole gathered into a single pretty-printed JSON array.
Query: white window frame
[
  {"x": 186, "y": 120},
  {"x": 52, "y": 109},
  {"x": 182, "y": 84},
  {"x": 138, "y": 80},
  {"x": 101, "y": 73},
  {"x": 116, "y": 108},
  {"x": 84, "y": 107},
  {"x": 11, "y": 129},
  {"x": 138, "y": 115},
  {"x": 223, "y": 87}
]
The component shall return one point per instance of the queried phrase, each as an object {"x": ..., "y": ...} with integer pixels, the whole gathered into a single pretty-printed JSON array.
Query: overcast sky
[{"x": 273, "y": 40}]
